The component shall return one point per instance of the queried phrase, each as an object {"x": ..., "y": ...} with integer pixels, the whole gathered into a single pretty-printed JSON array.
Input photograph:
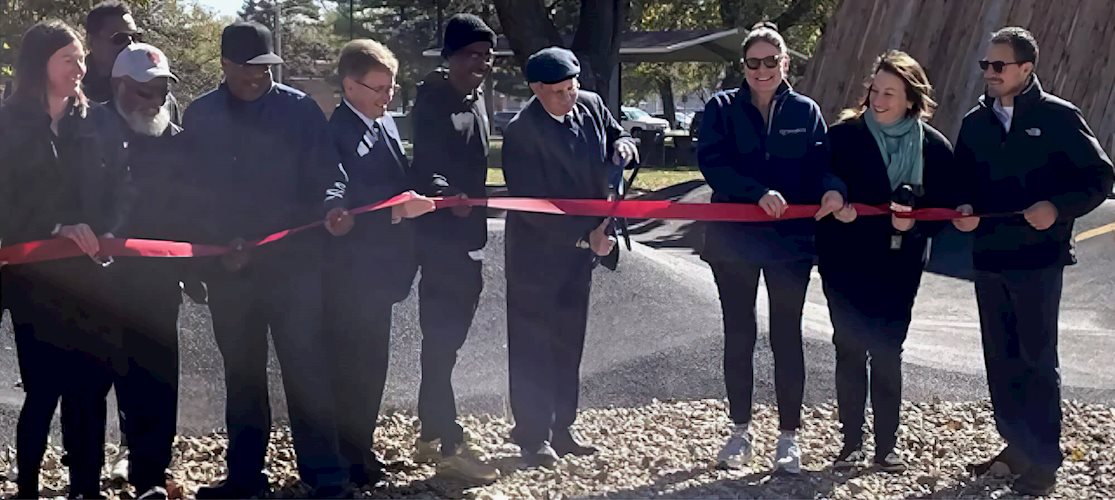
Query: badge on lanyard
[{"x": 895, "y": 241}]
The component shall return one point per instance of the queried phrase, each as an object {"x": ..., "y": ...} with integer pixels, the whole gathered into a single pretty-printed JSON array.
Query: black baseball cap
[{"x": 248, "y": 43}]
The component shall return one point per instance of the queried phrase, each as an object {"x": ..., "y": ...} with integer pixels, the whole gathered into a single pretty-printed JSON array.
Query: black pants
[
  {"x": 738, "y": 284},
  {"x": 870, "y": 307},
  {"x": 147, "y": 373},
  {"x": 358, "y": 329},
  {"x": 1018, "y": 319},
  {"x": 547, "y": 314},
  {"x": 449, "y": 293},
  {"x": 288, "y": 302},
  {"x": 79, "y": 378}
]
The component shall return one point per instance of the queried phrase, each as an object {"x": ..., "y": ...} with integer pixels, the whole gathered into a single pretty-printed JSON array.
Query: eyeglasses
[
  {"x": 998, "y": 66},
  {"x": 385, "y": 89},
  {"x": 768, "y": 61},
  {"x": 126, "y": 38}
]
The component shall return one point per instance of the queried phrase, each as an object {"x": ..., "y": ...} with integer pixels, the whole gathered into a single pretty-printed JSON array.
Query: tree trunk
[
  {"x": 597, "y": 42},
  {"x": 666, "y": 93},
  {"x": 527, "y": 26}
]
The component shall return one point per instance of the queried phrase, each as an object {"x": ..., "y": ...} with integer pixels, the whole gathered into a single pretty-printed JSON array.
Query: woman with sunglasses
[
  {"x": 51, "y": 185},
  {"x": 764, "y": 143},
  {"x": 886, "y": 154}
]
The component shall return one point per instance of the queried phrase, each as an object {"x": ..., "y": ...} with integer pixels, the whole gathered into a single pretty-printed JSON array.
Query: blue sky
[{"x": 223, "y": 7}]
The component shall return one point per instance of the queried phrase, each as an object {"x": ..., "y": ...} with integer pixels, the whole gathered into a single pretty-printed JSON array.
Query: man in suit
[
  {"x": 563, "y": 144},
  {"x": 372, "y": 266}
]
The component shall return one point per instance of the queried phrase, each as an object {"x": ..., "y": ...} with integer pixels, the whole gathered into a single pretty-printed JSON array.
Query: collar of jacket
[
  {"x": 1024, "y": 100},
  {"x": 783, "y": 90}
]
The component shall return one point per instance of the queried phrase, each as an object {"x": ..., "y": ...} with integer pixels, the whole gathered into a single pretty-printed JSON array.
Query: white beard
[{"x": 152, "y": 126}]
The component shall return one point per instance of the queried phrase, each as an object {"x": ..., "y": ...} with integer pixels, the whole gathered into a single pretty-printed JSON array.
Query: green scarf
[{"x": 900, "y": 143}]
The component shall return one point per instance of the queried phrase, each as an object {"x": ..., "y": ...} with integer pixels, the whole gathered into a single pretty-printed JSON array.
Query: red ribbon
[{"x": 60, "y": 248}]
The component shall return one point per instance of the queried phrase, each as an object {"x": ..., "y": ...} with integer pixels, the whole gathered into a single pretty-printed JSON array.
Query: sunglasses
[
  {"x": 997, "y": 66},
  {"x": 768, "y": 61},
  {"x": 126, "y": 38}
]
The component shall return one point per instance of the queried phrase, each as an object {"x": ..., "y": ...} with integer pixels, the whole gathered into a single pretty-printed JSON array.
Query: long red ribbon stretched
[{"x": 58, "y": 248}]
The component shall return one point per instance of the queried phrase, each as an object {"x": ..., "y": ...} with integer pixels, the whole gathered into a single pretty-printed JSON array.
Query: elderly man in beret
[{"x": 563, "y": 144}]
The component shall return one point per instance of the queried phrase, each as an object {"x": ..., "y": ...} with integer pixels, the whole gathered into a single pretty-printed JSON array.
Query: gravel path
[{"x": 667, "y": 449}]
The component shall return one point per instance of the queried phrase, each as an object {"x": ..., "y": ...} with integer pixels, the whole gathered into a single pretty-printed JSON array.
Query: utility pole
[
  {"x": 279, "y": 39},
  {"x": 351, "y": 19}
]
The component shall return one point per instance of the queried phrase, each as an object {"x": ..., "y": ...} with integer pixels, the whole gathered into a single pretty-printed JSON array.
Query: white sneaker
[
  {"x": 737, "y": 451},
  {"x": 427, "y": 452},
  {"x": 120, "y": 466},
  {"x": 787, "y": 456},
  {"x": 465, "y": 464}
]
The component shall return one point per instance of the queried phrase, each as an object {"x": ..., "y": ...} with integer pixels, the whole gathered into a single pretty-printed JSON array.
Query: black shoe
[
  {"x": 1036, "y": 482},
  {"x": 1008, "y": 462},
  {"x": 849, "y": 458},
  {"x": 891, "y": 463},
  {"x": 565, "y": 444},
  {"x": 367, "y": 477},
  {"x": 228, "y": 489},
  {"x": 541, "y": 456}
]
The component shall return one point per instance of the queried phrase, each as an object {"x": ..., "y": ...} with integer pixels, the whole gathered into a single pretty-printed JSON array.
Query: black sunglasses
[
  {"x": 126, "y": 38},
  {"x": 768, "y": 61},
  {"x": 998, "y": 66}
]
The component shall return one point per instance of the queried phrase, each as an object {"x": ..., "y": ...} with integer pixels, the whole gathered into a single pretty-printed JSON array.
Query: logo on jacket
[
  {"x": 1033, "y": 132},
  {"x": 791, "y": 131}
]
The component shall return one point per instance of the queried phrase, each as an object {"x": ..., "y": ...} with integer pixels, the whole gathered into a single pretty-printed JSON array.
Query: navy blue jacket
[
  {"x": 376, "y": 251},
  {"x": 742, "y": 158},
  {"x": 542, "y": 158},
  {"x": 267, "y": 165},
  {"x": 1049, "y": 154}
]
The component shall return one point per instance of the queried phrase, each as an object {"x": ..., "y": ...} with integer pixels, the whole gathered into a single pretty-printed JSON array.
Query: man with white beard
[{"x": 138, "y": 139}]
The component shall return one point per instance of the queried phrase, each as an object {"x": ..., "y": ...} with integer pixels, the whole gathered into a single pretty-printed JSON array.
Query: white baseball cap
[{"x": 142, "y": 62}]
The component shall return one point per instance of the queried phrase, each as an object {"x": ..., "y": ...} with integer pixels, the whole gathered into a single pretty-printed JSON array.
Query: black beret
[
  {"x": 551, "y": 65},
  {"x": 463, "y": 30}
]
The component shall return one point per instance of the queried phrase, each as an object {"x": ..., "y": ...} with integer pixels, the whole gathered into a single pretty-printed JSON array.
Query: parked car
[
  {"x": 501, "y": 119},
  {"x": 635, "y": 119},
  {"x": 681, "y": 119}
]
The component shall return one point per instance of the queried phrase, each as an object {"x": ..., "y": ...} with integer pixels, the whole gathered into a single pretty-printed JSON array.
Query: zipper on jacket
[{"x": 775, "y": 108}]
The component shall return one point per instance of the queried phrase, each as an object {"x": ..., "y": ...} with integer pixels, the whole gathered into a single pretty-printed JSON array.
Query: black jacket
[
  {"x": 47, "y": 180},
  {"x": 377, "y": 254},
  {"x": 856, "y": 160},
  {"x": 266, "y": 165},
  {"x": 450, "y": 157},
  {"x": 1049, "y": 154},
  {"x": 543, "y": 158},
  {"x": 742, "y": 158},
  {"x": 155, "y": 201}
]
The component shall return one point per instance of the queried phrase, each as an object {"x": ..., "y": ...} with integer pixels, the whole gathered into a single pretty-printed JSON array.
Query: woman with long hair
[
  {"x": 52, "y": 186},
  {"x": 764, "y": 143},
  {"x": 885, "y": 153}
]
